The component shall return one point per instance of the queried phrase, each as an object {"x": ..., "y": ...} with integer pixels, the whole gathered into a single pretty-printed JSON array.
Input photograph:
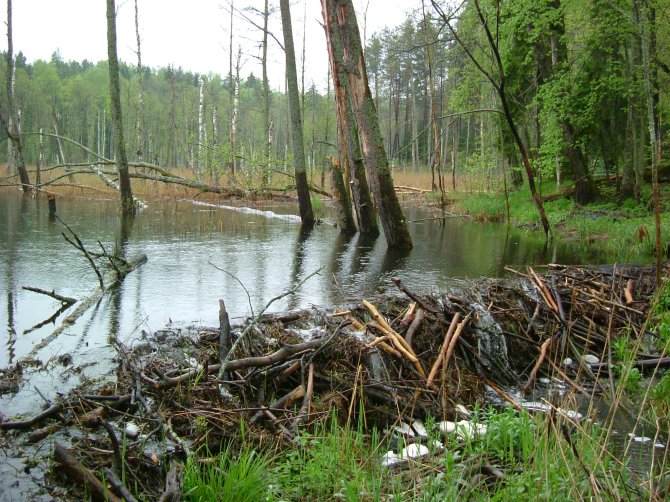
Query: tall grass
[{"x": 232, "y": 477}]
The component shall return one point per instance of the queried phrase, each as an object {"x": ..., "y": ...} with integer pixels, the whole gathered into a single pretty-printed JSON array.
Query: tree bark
[
  {"x": 350, "y": 148},
  {"x": 302, "y": 187},
  {"x": 14, "y": 137},
  {"x": 372, "y": 144},
  {"x": 267, "y": 137},
  {"x": 127, "y": 204}
]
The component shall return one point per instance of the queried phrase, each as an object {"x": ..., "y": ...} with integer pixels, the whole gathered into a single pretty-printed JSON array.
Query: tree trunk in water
[
  {"x": 436, "y": 166},
  {"x": 350, "y": 149},
  {"x": 304, "y": 202},
  {"x": 345, "y": 219},
  {"x": 127, "y": 204},
  {"x": 14, "y": 137},
  {"x": 267, "y": 138},
  {"x": 372, "y": 144}
]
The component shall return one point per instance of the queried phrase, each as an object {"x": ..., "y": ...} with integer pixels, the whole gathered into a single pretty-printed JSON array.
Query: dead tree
[
  {"x": 306, "y": 214},
  {"x": 127, "y": 204},
  {"x": 372, "y": 144}
]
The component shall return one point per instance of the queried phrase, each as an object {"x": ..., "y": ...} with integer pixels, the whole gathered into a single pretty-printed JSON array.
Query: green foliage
[
  {"x": 332, "y": 462},
  {"x": 233, "y": 476}
]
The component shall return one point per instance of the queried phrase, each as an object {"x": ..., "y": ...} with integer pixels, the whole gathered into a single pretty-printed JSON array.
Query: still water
[{"x": 198, "y": 254}]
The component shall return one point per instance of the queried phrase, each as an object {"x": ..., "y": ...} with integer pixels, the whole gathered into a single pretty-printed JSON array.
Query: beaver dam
[{"x": 390, "y": 364}]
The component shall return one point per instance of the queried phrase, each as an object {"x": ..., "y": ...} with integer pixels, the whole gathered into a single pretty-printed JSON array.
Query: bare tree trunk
[
  {"x": 350, "y": 149},
  {"x": 139, "y": 124},
  {"x": 199, "y": 165},
  {"x": 11, "y": 126},
  {"x": 233, "y": 84},
  {"x": 268, "y": 132},
  {"x": 302, "y": 187},
  {"x": 127, "y": 204},
  {"x": 436, "y": 166},
  {"x": 372, "y": 144}
]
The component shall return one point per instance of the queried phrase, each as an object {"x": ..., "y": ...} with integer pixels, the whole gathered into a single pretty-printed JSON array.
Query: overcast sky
[{"x": 193, "y": 34}]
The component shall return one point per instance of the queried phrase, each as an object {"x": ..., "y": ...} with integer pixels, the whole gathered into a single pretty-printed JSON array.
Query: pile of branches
[{"x": 378, "y": 363}]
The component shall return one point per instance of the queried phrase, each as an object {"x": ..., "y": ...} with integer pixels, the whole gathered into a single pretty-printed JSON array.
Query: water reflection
[{"x": 266, "y": 255}]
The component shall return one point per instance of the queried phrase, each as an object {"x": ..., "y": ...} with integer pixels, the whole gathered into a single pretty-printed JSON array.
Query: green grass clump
[
  {"x": 233, "y": 476},
  {"x": 332, "y": 463}
]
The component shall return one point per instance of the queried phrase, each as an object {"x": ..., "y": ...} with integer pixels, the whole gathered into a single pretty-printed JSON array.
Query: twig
[
  {"x": 63, "y": 299},
  {"x": 443, "y": 349},
  {"x": 81, "y": 248},
  {"x": 538, "y": 363},
  {"x": 226, "y": 361},
  {"x": 24, "y": 424},
  {"x": 118, "y": 486}
]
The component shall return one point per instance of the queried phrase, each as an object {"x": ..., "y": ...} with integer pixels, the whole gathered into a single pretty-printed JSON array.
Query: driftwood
[
  {"x": 82, "y": 475},
  {"x": 25, "y": 424},
  {"x": 63, "y": 299},
  {"x": 91, "y": 300}
]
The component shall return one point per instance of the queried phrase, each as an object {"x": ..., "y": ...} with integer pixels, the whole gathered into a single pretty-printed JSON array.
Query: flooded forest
[{"x": 427, "y": 260}]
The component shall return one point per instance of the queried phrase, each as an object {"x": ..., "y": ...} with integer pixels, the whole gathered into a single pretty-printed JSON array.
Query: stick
[
  {"x": 282, "y": 402},
  {"x": 443, "y": 349},
  {"x": 224, "y": 332},
  {"x": 52, "y": 294},
  {"x": 413, "y": 297},
  {"x": 81, "y": 474},
  {"x": 118, "y": 486},
  {"x": 226, "y": 361},
  {"x": 307, "y": 401},
  {"x": 538, "y": 363},
  {"x": 546, "y": 294},
  {"x": 501, "y": 393},
  {"x": 173, "y": 483},
  {"x": 415, "y": 326},
  {"x": 454, "y": 339},
  {"x": 24, "y": 424}
]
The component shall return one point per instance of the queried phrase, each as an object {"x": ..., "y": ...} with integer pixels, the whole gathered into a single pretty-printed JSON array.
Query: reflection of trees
[
  {"x": 337, "y": 258},
  {"x": 298, "y": 264},
  {"x": 116, "y": 294}
]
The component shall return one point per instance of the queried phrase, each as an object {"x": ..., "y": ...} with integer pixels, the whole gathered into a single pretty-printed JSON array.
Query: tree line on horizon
[{"x": 574, "y": 73}]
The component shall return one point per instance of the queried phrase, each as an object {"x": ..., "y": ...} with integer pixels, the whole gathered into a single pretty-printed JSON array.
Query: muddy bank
[{"x": 382, "y": 363}]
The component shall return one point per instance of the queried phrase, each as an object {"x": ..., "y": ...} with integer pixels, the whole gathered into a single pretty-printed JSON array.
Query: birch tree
[{"x": 12, "y": 122}]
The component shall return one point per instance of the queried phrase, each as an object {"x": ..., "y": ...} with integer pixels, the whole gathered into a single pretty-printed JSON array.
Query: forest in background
[{"x": 574, "y": 74}]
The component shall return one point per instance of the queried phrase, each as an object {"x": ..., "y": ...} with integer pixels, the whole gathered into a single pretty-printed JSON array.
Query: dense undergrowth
[
  {"x": 620, "y": 228},
  {"x": 520, "y": 457}
]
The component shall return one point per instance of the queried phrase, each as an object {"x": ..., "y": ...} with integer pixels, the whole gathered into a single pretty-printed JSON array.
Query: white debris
[
  {"x": 420, "y": 429},
  {"x": 132, "y": 430},
  {"x": 639, "y": 439},
  {"x": 544, "y": 380},
  {"x": 590, "y": 359},
  {"x": 446, "y": 427},
  {"x": 415, "y": 450},
  {"x": 390, "y": 458},
  {"x": 570, "y": 414},
  {"x": 567, "y": 362},
  {"x": 404, "y": 429},
  {"x": 463, "y": 410}
]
